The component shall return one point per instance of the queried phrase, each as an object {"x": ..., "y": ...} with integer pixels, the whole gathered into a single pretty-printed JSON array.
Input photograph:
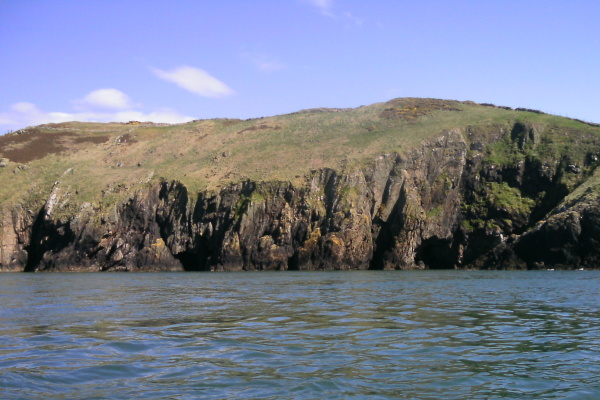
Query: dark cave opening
[
  {"x": 437, "y": 253},
  {"x": 192, "y": 261},
  {"x": 383, "y": 243}
]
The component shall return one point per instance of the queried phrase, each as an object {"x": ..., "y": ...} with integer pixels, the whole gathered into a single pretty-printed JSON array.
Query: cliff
[{"x": 412, "y": 183}]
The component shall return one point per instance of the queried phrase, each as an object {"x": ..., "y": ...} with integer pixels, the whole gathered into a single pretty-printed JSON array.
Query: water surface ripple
[{"x": 341, "y": 335}]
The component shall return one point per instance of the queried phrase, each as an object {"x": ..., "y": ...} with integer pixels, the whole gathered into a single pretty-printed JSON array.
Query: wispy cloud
[
  {"x": 355, "y": 20},
  {"x": 194, "y": 80},
  {"x": 263, "y": 63},
  {"x": 107, "y": 99},
  {"x": 324, "y": 6},
  {"x": 98, "y": 109}
]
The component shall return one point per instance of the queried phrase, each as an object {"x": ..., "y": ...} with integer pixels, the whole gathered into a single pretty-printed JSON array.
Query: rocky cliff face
[{"x": 446, "y": 204}]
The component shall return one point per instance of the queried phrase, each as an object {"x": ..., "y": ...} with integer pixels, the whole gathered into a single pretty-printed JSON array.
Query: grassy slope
[{"x": 208, "y": 154}]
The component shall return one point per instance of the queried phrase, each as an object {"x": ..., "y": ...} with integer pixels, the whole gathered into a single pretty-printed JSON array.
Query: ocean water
[{"x": 301, "y": 335}]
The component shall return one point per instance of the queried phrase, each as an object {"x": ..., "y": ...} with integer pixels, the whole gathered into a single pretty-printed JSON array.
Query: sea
[{"x": 301, "y": 335}]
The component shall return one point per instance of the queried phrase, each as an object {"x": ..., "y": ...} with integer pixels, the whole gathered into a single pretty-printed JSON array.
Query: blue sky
[{"x": 172, "y": 61}]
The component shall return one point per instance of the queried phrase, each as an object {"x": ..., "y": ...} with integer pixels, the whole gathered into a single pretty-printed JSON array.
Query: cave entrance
[
  {"x": 192, "y": 261},
  {"x": 437, "y": 253}
]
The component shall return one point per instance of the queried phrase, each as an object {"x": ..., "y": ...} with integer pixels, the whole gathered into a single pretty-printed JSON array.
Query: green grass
[
  {"x": 590, "y": 186},
  {"x": 502, "y": 196},
  {"x": 209, "y": 154}
]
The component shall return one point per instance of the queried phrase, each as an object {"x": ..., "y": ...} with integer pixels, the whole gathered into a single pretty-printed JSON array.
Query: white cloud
[
  {"x": 21, "y": 114},
  {"x": 194, "y": 80},
  {"x": 25, "y": 114},
  {"x": 324, "y": 6},
  {"x": 164, "y": 115},
  {"x": 23, "y": 107},
  {"x": 108, "y": 99},
  {"x": 263, "y": 63}
]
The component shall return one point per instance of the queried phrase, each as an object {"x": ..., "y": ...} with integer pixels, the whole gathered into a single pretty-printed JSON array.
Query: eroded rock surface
[{"x": 446, "y": 204}]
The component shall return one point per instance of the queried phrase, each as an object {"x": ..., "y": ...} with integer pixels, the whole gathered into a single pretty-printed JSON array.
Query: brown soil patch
[
  {"x": 259, "y": 127},
  {"x": 412, "y": 108},
  {"x": 92, "y": 139},
  {"x": 228, "y": 121},
  {"x": 33, "y": 144}
]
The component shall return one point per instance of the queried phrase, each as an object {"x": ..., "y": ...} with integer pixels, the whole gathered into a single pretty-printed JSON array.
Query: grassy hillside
[{"x": 101, "y": 163}]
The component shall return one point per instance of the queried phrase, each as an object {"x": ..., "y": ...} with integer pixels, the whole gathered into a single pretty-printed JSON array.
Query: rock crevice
[{"x": 445, "y": 204}]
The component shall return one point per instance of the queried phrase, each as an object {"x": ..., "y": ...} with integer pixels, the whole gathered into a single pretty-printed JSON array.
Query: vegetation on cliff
[{"x": 410, "y": 183}]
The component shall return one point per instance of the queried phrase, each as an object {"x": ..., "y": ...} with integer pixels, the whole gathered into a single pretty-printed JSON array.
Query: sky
[{"x": 175, "y": 61}]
